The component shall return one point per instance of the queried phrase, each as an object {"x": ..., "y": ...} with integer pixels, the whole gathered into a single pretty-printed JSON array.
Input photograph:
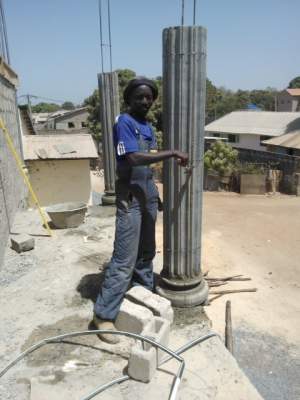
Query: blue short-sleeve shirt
[{"x": 125, "y": 136}]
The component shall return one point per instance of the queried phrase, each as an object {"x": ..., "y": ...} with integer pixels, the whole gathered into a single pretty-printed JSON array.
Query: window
[
  {"x": 83, "y": 124},
  {"x": 71, "y": 125},
  {"x": 233, "y": 138},
  {"x": 216, "y": 135},
  {"x": 262, "y": 138},
  {"x": 282, "y": 101}
]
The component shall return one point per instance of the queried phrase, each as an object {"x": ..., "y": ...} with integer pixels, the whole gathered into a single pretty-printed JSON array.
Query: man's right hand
[{"x": 182, "y": 158}]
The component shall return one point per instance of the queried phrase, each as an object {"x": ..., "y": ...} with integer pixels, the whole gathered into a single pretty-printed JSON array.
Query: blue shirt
[{"x": 125, "y": 137}]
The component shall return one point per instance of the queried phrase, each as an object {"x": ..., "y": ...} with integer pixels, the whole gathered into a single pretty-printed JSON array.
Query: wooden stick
[
  {"x": 228, "y": 278},
  {"x": 214, "y": 298},
  {"x": 232, "y": 291},
  {"x": 215, "y": 284},
  {"x": 228, "y": 327}
]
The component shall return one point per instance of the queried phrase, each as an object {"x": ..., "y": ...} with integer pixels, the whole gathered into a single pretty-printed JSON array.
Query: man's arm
[{"x": 138, "y": 158}]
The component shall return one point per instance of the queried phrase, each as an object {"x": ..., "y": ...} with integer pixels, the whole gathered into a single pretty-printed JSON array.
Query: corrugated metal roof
[
  {"x": 290, "y": 140},
  {"x": 294, "y": 92},
  {"x": 267, "y": 123},
  {"x": 37, "y": 147}
]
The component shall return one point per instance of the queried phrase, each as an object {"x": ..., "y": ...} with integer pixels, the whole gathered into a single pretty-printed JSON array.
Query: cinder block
[
  {"x": 142, "y": 362},
  {"x": 132, "y": 317},
  {"x": 22, "y": 243},
  {"x": 160, "y": 306},
  {"x": 144, "y": 357},
  {"x": 158, "y": 330}
]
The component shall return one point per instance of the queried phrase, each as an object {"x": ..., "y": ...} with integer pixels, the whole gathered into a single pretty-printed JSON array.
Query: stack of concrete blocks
[{"x": 150, "y": 315}]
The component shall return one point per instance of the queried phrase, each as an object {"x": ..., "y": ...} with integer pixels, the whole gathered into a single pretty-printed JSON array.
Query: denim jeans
[{"x": 134, "y": 247}]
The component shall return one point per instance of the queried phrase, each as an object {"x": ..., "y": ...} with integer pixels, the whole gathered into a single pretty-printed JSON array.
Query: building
[
  {"x": 59, "y": 166},
  {"x": 68, "y": 120},
  {"x": 249, "y": 129},
  {"x": 285, "y": 144},
  {"x": 289, "y": 100}
]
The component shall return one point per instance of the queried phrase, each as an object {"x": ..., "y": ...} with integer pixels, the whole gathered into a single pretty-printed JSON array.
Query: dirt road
[{"x": 259, "y": 237}]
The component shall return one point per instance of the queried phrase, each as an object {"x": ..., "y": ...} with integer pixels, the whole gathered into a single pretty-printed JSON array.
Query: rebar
[
  {"x": 179, "y": 351},
  {"x": 60, "y": 338}
]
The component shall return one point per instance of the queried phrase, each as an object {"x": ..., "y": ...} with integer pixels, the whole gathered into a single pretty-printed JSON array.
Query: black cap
[{"x": 140, "y": 81}]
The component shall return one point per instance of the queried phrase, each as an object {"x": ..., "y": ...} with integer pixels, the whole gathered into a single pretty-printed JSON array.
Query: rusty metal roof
[
  {"x": 64, "y": 147},
  {"x": 294, "y": 92},
  {"x": 289, "y": 140}
]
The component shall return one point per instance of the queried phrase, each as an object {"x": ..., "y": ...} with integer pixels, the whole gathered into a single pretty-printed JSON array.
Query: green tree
[
  {"x": 68, "y": 105},
  {"x": 295, "y": 83},
  {"x": 93, "y": 104},
  {"x": 220, "y": 158},
  {"x": 45, "y": 107}
]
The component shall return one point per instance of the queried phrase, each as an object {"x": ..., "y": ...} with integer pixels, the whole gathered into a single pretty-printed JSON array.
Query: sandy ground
[{"x": 258, "y": 236}]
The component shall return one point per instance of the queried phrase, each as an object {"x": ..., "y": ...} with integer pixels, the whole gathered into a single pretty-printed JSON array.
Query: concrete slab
[{"x": 73, "y": 385}]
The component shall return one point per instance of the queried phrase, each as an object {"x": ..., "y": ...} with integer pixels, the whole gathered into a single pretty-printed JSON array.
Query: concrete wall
[
  {"x": 12, "y": 188},
  {"x": 77, "y": 120},
  {"x": 249, "y": 142},
  {"x": 59, "y": 181}
]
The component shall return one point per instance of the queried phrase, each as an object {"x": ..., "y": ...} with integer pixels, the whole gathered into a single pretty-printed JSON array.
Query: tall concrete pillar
[
  {"x": 109, "y": 109},
  {"x": 184, "y": 85}
]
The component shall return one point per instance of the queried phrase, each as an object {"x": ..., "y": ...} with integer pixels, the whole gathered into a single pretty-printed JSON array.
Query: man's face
[{"x": 140, "y": 101}]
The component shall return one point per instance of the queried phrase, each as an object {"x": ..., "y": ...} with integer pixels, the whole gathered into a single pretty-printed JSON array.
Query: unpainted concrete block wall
[{"x": 12, "y": 188}]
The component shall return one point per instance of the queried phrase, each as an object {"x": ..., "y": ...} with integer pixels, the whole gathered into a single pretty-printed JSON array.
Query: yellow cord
[{"x": 25, "y": 177}]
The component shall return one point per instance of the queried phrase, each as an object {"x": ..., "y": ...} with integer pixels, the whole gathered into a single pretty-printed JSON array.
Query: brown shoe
[{"x": 104, "y": 324}]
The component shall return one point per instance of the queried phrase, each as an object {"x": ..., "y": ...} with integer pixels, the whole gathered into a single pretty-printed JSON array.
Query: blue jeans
[{"x": 134, "y": 248}]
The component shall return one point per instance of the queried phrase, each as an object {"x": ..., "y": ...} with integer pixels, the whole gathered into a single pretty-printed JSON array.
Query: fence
[{"x": 289, "y": 165}]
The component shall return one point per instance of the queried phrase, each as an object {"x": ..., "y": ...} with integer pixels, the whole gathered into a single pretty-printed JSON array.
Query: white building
[
  {"x": 68, "y": 120},
  {"x": 59, "y": 166},
  {"x": 249, "y": 129}
]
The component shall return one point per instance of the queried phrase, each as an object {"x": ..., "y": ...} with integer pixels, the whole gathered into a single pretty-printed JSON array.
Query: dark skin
[{"x": 140, "y": 102}]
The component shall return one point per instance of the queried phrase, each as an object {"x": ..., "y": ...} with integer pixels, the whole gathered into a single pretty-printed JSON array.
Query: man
[{"x": 137, "y": 200}]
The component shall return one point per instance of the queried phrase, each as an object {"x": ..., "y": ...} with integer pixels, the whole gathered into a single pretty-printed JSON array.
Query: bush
[
  {"x": 252, "y": 168},
  {"x": 221, "y": 158}
]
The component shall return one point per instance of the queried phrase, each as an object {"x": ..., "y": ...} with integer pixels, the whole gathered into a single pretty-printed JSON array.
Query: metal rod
[
  {"x": 124, "y": 378},
  {"x": 5, "y": 33},
  {"x": 101, "y": 36},
  {"x": 182, "y": 12},
  {"x": 17, "y": 158},
  {"x": 60, "y": 338},
  {"x": 109, "y": 34},
  {"x": 194, "y": 13},
  {"x": 106, "y": 386}
]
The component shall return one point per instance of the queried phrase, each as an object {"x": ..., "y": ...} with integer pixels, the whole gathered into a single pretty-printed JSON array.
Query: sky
[{"x": 55, "y": 44}]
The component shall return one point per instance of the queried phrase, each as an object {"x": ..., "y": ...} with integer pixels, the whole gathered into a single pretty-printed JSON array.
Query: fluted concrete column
[
  {"x": 184, "y": 85},
  {"x": 109, "y": 109}
]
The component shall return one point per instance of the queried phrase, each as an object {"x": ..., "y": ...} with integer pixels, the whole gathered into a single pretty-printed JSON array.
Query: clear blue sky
[{"x": 55, "y": 47}]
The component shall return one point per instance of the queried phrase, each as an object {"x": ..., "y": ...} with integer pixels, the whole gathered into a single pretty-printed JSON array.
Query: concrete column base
[
  {"x": 185, "y": 296},
  {"x": 109, "y": 199}
]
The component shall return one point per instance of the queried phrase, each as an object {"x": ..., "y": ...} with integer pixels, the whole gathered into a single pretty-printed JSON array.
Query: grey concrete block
[
  {"x": 160, "y": 306},
  {"x": 159, "y": 330},
  {"x": 132, "y": 317},
  {"x": 22, "y": 243},
  {"x": 144, "y": 357},
  {"x": 142, "y": 362}
]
